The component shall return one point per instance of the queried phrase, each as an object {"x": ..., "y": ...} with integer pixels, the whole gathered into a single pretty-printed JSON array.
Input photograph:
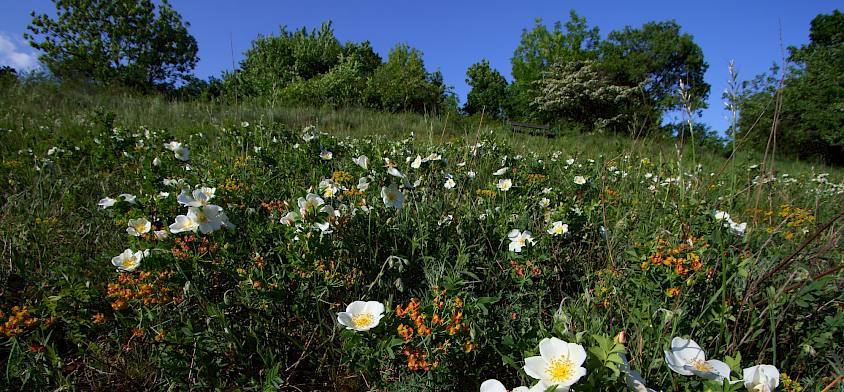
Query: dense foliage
[
  {"x": 801, "y": 113},
  {"x": 230, "y": 255},
  {"x": 132, "y": 43},
  {"x": 315, "y": 69},
  {"x": 489, "y": 91}
]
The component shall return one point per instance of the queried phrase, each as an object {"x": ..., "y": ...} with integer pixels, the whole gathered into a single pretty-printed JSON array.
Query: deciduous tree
[{"x": 131, "y": 42}]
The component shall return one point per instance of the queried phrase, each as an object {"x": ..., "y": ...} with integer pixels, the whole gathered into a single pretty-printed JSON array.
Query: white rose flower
[
  {"x": 361, "y": 316},
  {"x": 128, "y": 260},
  {"x": 558, "y": 228},
  {"x": 505, "y": 184},
  {"x": 138, "y": 227},
  {"x": 392, "y": 196},
  {"x": 761, "y": 378},
  {"x": 559, "y": 363},
  {"x": 687, "y": 358},
  {"x": 518, "y": 240}
]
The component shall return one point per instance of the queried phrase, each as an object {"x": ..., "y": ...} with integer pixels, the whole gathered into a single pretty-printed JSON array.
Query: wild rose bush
[{"x": 261, "y": 257}]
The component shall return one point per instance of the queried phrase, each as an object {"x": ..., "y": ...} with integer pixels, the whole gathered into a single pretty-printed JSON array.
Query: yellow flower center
[
  {"x": 391, "y": 197},
  {"x": 128, "y": 262},
  {"x": 140, "y": 227},
  {"x": 201, "y": 218},
  {"x": 560, "y": 369},
  {"x": 362, "y": 320},
  {"x": 702, "y": 366}
]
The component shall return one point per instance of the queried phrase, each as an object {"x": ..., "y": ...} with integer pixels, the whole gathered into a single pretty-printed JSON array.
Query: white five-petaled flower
[
  {"x": 721, "y": 215},
  {"x": 138, "y": 227},
  {"x": 559, "y": 363},
  {"x": 544, "y": 202},
  {"x": 392, "y": 196},
  {"x": 493, "y": 385},
  {"x": 761, "y": 378},
  {"x": 106, "y": 202},
  {"x": 633, "y": 379},
  {"x": 128, "y": 260},
  {"x": 361, "y": 316},
  {"x": 394, "y": 172},
  {"x": 328, "y": 188},
  {"x": 362, "y": 161},
  {"x": 687, "y": 358},
  {"x": 181, "y": 152},
  {"x": 738, "y": 228},
  {"x": 309, "y": 203},
  {"x": 326, "y": 155},
  {"x": 363, "y": 184},
  {"x": 206, "y": 219},
  {"x": 570, "y": 161},
  {"x": 518, "y": 240},
  {"x": 579, "y": 180},
  {"x": 449, "y": 183},
  {"x": 735, "y": 228},
  {"x": 558, "y": 228},
  {"x": 505, "y": 184},
  {"x": 416, "y": 162},
  {"x": 289, "y": 219},
  {"x": 500, "y": 171},
  {"x": 129, "y": 198},
  {"x": 198, "y": 198}
]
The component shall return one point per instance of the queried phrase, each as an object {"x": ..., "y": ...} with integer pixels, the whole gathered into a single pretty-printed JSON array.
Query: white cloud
[{"x": 15, "y": 55}]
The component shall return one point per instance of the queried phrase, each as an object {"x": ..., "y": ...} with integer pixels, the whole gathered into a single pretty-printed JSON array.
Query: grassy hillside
[{"x": 631, "y": 243}]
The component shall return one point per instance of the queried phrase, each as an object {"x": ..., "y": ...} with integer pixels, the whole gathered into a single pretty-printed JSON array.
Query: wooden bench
[{"x": 532, "y": 129}]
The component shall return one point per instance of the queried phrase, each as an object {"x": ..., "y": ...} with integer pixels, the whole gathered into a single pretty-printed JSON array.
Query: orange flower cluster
[
  {"x": 672, "y": 292},
  {"x": 231, "y": 185},
  {"x": 535, "y": 177},
  {"x": 182, "y": 249},
  {"x": 331, "y": 273},
  {"x": 146, "y": 288},
  {"x": 19, "y": 320},
  {"x": 352, "y": 192},
  {"x": 608, "y": 194},
  {"x": 484, "y": 193},
  {"x": 683, "y": 258},
  {"x": 274, "y": 206},
  {"x": 439, "y": 326},
  {"x": 529, "y": 265},
  {"x": 416, "y": 360},
  {"x": 341, "y": 177}
]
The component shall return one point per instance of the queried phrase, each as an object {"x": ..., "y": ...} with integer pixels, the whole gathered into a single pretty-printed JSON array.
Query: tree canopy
[
  {"x": 488, "y": 90},
  {"x": 131, "y": 42},
  {"x": 811, "y": 119},
  {"x": 659, "y": 56}
]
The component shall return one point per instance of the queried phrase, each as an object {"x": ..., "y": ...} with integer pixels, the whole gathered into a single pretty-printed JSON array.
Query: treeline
[
  {"x": 314, "y": 68},
  {"x": 568, "y": 74},
  {"x": 803, "y": 103},
  {"x": 564, "y": 74}
]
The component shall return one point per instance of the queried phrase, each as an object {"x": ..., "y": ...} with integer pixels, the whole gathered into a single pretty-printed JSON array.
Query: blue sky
[{"x": 453, "y": 34}]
